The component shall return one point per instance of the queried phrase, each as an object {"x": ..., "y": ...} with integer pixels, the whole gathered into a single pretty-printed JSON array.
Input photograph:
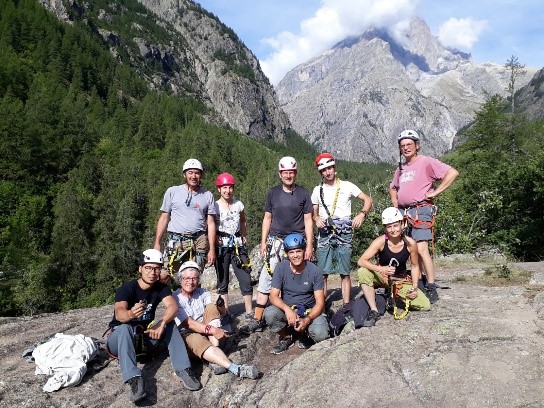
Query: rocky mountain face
[
  {"x": 529, "y": 99},
  {"x": 179, "y": 47},
  {"x": 354, "y": 99},
  {"x": 479, "y": 346}
]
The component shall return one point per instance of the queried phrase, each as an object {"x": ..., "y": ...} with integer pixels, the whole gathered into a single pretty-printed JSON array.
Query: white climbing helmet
[
  {"x": 391, "y": 215},
  {"x": 187, "y": 265},
  {"x": 408, "y": 134},
  {"x": 192, "y": 164},
  {"x": 151, "y": 256},
  {"x": 287, "y": 163}
]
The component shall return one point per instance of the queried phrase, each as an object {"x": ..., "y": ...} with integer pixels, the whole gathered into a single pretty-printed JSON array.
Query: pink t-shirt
[{"x": 417, "y": 179}]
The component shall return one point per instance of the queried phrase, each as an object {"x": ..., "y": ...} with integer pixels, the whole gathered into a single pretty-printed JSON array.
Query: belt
[{"x": 187, "y": 236}]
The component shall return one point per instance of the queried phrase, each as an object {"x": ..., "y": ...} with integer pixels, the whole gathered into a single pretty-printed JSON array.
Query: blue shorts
[
  {"x": 425, "y": 214},
  {"x": 334, "y": 253}
]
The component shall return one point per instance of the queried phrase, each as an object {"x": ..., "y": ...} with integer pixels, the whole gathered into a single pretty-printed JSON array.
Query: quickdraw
[
  {"x": 174, "y": 257},
  {"x": 329, "y": 222},
  {"x": 239, "y": 258},
  {"x": 268, "y": 252},
  {"x": 395, "y": 284}
]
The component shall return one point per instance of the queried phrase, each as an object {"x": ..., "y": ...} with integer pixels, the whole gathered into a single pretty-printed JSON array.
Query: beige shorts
[{"x": 198, "y": 343}]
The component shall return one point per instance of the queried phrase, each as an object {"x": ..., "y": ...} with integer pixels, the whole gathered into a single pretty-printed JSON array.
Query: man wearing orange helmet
[
  {"x": 230, "y": 219},
  {"x": 331, "y": 201}
]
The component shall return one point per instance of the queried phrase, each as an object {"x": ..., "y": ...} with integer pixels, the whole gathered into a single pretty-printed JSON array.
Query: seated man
[
  {"x": 134, "y": 314},
  {"x": 297, "y": 298},
  {"x": 393, "y": 251},
  {"x": 199, "y": 322}
]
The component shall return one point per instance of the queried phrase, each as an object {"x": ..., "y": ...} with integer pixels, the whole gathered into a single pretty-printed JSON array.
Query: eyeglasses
[
  {"x": 191, "y": 279},
  {"x": 148, "y": 268}
]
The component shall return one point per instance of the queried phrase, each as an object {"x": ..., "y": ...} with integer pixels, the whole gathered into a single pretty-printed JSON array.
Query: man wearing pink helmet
[
  {"x": 187, "y": 214},
  {"x": 412, "y": 192},
  {"x": 288, "y": 210},
  {"x": 331, "y": 201},
  {"x": 230, "y": 219}
]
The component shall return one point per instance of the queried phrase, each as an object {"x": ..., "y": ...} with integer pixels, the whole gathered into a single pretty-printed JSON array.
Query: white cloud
[
  {"x": 461, "y": 33},
  {"x": 332, "y": 22}
]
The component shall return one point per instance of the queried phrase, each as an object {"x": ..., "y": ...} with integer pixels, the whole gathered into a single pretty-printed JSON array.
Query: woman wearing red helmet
[{"x": 230, "y": 220}]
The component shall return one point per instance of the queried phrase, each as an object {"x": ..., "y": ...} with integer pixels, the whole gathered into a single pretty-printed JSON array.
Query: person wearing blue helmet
[{"x": 297, "y": 299}]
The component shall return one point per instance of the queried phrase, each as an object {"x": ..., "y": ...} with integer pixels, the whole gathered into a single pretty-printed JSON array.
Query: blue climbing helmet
[{"x": 294, "y": 241}]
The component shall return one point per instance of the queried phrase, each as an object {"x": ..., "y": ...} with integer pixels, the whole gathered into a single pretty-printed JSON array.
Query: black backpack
[{"x": 339, "y": 319}]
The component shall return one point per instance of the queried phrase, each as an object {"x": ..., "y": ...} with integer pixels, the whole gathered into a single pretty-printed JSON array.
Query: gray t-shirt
[
  {"x": 297, "y": 289},
  {"x": 288, "y": 209},
  {"x": 188, "y": 210}
]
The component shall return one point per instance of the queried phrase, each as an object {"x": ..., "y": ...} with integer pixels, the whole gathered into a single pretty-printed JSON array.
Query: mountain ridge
[{"x": 354, "y": 98}]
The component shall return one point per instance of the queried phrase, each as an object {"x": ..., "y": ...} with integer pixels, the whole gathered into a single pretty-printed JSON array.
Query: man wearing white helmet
[
  {"x": 331, "y": 201},
  {"x": 412, "y": 192},
  {"x": 134, "y": 318},
  {"x": 187, "y": 213},
  {"x": 288, "y": 209},
  {"x": 392, "y": 251},
  {"x": 199, "y": 320}
]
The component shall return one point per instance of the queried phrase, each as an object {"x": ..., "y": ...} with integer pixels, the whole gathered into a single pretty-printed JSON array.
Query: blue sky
[{"x": 285, "y": 33}]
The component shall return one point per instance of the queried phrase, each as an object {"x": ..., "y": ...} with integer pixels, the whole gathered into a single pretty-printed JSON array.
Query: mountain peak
[{"x": 354, "y": 98}]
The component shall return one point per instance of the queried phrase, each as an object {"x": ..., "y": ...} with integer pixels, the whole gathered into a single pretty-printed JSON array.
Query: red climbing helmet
[
  {"x": 324, "y": 160},
  {"x": 225, "y": 179}
]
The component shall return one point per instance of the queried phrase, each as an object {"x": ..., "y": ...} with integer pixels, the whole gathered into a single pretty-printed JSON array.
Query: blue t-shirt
[
  {"x": 288, "y": 209},
  {"x": 132, "y": 293},
  {"x": 297, "y": 289}
]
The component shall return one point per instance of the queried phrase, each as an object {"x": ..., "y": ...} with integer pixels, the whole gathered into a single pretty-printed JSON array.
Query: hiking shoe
[
  {"x": 253, "y": 326},
  {"x": 304, "y": 343},
  {"x": 137, "y": 389},
  {"x": 248, "y": 371},
  {"x": 216, "y": 368},
  {"x": 188, "y": 379},
  {"x": 283, "y": 344},
  {"x": 432, "y": 294},
  {"x": 371, "y": 318}
]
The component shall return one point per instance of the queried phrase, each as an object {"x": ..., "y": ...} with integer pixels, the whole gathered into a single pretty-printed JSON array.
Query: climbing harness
[
  {"x": 241, "y": 258},
  {"x": 414, "y": 221},
  {"x": 181, "y": 248},
  {"x": 270, "y": 245},
  {"x": 330, "y": 222}
]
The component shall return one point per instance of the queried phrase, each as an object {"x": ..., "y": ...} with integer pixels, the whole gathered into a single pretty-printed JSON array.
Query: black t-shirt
[
  {"x": 131, "y": 293},
  {"x": 385, "y": 256},
  {"x": 288, "y": 209}
]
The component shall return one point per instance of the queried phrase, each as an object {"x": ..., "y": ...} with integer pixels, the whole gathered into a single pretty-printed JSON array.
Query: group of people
[{"x": 291, "y": 290}]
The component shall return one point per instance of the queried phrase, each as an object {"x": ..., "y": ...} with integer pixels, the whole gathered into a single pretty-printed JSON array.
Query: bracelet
[
  {"x": 364, "y": 212},
  {"x": 207, "y": 329}
]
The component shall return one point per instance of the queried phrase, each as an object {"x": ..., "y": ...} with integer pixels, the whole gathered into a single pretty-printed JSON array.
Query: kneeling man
[
  {"x": 298, "y": 299},
  {"x": 199, "y": 322}
]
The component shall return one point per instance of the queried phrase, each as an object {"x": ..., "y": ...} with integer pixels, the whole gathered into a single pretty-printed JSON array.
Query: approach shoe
[
  {"x": 431, "y": 293},
  {"x": 216, "y": 368},
  {"x": 304, "y": 343},
  {"x": 253, "y": 326},
  {"x": 248, "y": 371},
  {"x": 137, "y": 388},
  {"x": 188, "y": 379},
  {"x": 283, "y": 344},
  {"x": 371, "y": 318}
]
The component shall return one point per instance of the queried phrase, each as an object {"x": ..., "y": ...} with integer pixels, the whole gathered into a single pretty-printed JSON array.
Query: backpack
[{"x": 339, "y": 319}]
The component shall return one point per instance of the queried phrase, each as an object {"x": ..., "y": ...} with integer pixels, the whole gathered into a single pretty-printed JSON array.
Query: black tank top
[{"x": 385, "y": 256}]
